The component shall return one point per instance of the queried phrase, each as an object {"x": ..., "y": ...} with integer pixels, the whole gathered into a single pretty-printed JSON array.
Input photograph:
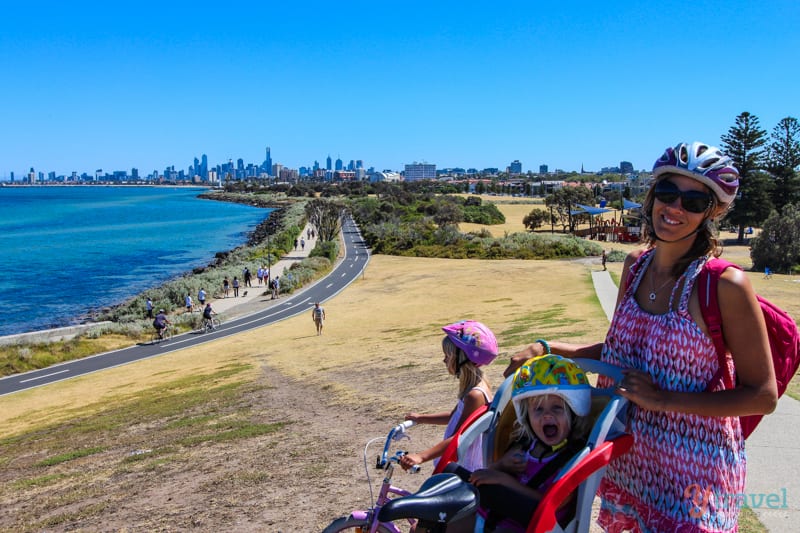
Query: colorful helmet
[
  {"x": 553, "y": 374},
  {"x": 704, "y": 163},
  {"x": 474, "y": 339}
]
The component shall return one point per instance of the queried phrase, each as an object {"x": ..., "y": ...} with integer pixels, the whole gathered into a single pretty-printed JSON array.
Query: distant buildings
[
  {"x": 515, "y": 167},
  {"x": 420, "y": 171}
]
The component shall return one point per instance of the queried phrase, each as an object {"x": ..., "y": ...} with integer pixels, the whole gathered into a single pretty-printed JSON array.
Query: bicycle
[
  {"x": 363, "y": 521},
  {"x": 209, "y": 325},
  {"x": 165, "y": 335}
]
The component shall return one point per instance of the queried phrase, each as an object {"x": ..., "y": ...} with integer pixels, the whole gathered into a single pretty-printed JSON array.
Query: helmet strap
[{"x": 461, "y": 359}]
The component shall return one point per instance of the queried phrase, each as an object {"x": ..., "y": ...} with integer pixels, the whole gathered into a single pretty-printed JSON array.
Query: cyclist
[
  {"x": 208, "y": 314},
  {"x": 161, "y": 322}
]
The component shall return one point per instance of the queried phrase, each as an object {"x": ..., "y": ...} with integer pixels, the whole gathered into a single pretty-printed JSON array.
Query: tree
[
  {"x": 563, "y": 201},
  {"x": 782, "y": 162},
  {"x": 535, "y": 219},
  {"x": 326, "y": 216},
  {"x": 778, "y": 245},
  {"x": 744, "y": 143}
]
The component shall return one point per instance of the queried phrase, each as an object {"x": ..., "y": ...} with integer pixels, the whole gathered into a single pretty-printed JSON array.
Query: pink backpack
[{"x": 784, "y": 340}]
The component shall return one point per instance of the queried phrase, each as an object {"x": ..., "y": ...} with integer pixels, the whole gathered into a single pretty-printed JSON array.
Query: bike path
[
  {"x": 773, "y": 450},
  {"x": 347, "y": 270}
]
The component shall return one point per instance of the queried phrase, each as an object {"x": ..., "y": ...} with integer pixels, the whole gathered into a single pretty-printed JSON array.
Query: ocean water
[{"x": 67, "y": 250}]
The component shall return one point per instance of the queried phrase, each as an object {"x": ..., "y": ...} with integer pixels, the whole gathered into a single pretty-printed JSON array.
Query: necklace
[{"x": 654, "y": 292}]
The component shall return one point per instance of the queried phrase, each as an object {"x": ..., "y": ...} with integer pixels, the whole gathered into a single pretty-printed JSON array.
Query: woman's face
[
  {"x": 671, "y": 221},
  {"x": 549, "y": 417}
]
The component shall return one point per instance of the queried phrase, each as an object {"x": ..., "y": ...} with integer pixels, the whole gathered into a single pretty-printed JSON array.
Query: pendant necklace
[{"x": 654, "y": 292}]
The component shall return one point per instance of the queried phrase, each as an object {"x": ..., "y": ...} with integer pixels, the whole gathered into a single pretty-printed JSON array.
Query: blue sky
[{"x": 90, "y": 86}]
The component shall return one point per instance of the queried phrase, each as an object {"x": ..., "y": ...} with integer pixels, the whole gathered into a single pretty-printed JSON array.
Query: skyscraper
[
  {"x": 339, "y": 165},
  {"x": 328, "y": 163},
  {"x": 268, "y": 162}
]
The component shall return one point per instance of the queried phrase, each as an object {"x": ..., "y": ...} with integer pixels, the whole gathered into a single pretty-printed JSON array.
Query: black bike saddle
[{"x": 441, "y": 498}]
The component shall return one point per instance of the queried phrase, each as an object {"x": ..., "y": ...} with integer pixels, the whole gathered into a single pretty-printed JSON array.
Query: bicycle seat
[{"x": 442, "y": 498}]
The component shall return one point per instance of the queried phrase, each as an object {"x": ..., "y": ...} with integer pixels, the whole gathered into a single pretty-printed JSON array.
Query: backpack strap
[{"x": 708, "y": 280}]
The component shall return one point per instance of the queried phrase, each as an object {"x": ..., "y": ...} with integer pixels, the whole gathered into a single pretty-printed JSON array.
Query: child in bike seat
[
  {"x": 552, "y": 399},
  {"x": 468, "y": 345}
]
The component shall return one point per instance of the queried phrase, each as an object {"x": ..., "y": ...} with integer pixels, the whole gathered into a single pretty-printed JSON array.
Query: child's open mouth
[{"x": 550, "y": 430}]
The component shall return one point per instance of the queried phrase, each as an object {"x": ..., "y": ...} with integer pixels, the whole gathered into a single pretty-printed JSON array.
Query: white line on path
[{"x": 42, "y": 377}]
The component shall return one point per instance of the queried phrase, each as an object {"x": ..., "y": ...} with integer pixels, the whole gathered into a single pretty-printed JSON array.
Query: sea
[{"x": 67, "y": 250}]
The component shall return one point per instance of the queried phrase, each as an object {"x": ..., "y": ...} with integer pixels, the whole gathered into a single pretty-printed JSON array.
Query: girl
[
  {"x": 468, "y": 345},
  {"x": 552, "y": 399}
]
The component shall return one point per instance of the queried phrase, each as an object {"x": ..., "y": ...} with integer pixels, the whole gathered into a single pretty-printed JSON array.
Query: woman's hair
[
  {"x": 579, "y": 426},
  {"x": 706, "y": 241},
  {"x": 468, "y": 373}
]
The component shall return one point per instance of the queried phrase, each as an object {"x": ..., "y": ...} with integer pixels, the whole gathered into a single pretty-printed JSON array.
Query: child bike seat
[{"x": 442, "y": 498}]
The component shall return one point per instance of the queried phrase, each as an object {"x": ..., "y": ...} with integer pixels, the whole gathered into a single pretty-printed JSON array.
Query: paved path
[
  {"x": 260, "y": 311},
  {"x": 773, "y": 450}
]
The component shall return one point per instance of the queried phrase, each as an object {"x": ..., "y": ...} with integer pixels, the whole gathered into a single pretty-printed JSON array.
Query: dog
[{"x": 244, "y": 294}]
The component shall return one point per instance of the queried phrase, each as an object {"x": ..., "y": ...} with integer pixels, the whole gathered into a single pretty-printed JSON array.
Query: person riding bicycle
[
  {"x": 468, "y": 345},
  {"x": 161, "y": 322},
  {"x": 208, "y": 314}
]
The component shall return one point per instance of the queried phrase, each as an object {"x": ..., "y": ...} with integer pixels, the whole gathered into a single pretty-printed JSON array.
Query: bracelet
[{"x": 546, "y": 346}]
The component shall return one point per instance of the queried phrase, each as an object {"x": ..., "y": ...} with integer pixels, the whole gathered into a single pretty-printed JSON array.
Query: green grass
[{"x": 69, "y": 456}]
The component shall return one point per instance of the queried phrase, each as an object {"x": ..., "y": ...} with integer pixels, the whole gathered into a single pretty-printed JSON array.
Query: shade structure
[
  {"x": 590, "y": 210},
  {"x": 628, "y": 204}
]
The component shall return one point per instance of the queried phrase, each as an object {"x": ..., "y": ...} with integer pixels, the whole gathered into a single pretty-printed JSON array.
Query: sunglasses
[{"x": 667, "y": 192}]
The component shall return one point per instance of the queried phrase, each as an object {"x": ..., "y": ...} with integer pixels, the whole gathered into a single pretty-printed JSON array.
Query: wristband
[{"x": 545, "y": 345}]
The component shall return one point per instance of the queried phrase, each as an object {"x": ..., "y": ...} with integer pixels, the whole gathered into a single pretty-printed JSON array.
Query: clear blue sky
[{"x": 115, "y": 85}]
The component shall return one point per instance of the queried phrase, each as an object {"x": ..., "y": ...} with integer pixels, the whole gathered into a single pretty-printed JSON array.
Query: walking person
[
  {"x": 688, "y": 457},
  {"x": 603, "y": 259},
  {"x": 235, "y": 287},
  {"x": 276, "y": 288},
  {"x": 188, "y": 302},
  {"x": 247, "y": 277},
  {"x": 201, "y": 297},
  {"x": 318, "y": 316},
  {"x": 148, "y": 306},
  {"x": 226, "y": 286},
  {"x": 302, "y": 244}
]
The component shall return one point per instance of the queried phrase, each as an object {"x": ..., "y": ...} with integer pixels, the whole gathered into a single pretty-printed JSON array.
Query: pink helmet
[
  {"x": 475, "y": 339},
  {"x": 704, "y": 163}
]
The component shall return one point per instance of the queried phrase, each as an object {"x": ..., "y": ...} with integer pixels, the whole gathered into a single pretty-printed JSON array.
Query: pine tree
[
  {"x": 744, "y": 142},
  {"x": 783, "y": 161}
]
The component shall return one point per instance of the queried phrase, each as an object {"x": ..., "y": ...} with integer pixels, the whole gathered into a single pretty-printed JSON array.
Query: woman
[{"x": 688, "y": 460}]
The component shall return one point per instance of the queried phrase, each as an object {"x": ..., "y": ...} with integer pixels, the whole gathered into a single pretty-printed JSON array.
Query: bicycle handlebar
[{"x": 396, "y": 433}]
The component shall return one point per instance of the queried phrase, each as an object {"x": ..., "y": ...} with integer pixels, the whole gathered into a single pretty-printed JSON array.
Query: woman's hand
[{"x": 639, "y": 387}]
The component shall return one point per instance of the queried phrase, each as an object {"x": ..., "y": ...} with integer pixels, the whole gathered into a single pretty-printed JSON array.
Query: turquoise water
[{"x": 67, "y": 250}]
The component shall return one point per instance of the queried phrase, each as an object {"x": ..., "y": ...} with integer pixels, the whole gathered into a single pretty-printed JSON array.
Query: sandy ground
[{"x": 378, "y": 358}]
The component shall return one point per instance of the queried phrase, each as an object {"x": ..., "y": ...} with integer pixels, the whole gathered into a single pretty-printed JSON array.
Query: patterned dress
[{"x": 684, "y": 471}]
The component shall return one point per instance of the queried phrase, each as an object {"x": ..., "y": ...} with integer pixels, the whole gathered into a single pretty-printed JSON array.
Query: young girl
[
  {"x": 467, "y": 346},
  {"x": 552, "y": 399}
]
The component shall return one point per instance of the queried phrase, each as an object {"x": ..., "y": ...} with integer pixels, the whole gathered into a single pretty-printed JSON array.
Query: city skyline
[{"x": 570, "y": 85}]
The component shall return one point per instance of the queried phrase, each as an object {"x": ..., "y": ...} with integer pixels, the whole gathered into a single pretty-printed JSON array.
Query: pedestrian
[
  {"x": 276, "y": 287},
  {"x": 260, "y": 275},
  {"x": 247, "y": 277},
  {"x": 604, "y": 258},
  {"x": 226, "y": 286},
  {"x": 235, "y": 287},
  {"x": 188, "y": 302},
  {"x": 688, "y": 443},
  {"x": 201, "y": 297},
  {"x": 295, "y": 244},
  {"x": 302, "y": 244},
  {"x": 148, "y": 306},
  {"x": 308, "y": 233},
  {"x": 318, "y": 316}
]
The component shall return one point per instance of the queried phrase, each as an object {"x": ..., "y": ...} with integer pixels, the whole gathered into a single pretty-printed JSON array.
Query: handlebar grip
[{"x": 414, "y": 469}]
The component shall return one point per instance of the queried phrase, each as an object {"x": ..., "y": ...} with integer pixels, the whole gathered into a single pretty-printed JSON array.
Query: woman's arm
[{"x": 746, "y": 338}]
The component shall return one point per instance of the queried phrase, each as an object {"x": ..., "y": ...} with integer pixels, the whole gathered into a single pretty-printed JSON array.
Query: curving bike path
[
  {"x": 356, "y": 257},
  {"x": 773, "y": 450}
]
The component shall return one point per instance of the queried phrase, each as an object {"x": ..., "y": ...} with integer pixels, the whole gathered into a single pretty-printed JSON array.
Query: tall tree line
[{"x": 768, "y": 166}]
